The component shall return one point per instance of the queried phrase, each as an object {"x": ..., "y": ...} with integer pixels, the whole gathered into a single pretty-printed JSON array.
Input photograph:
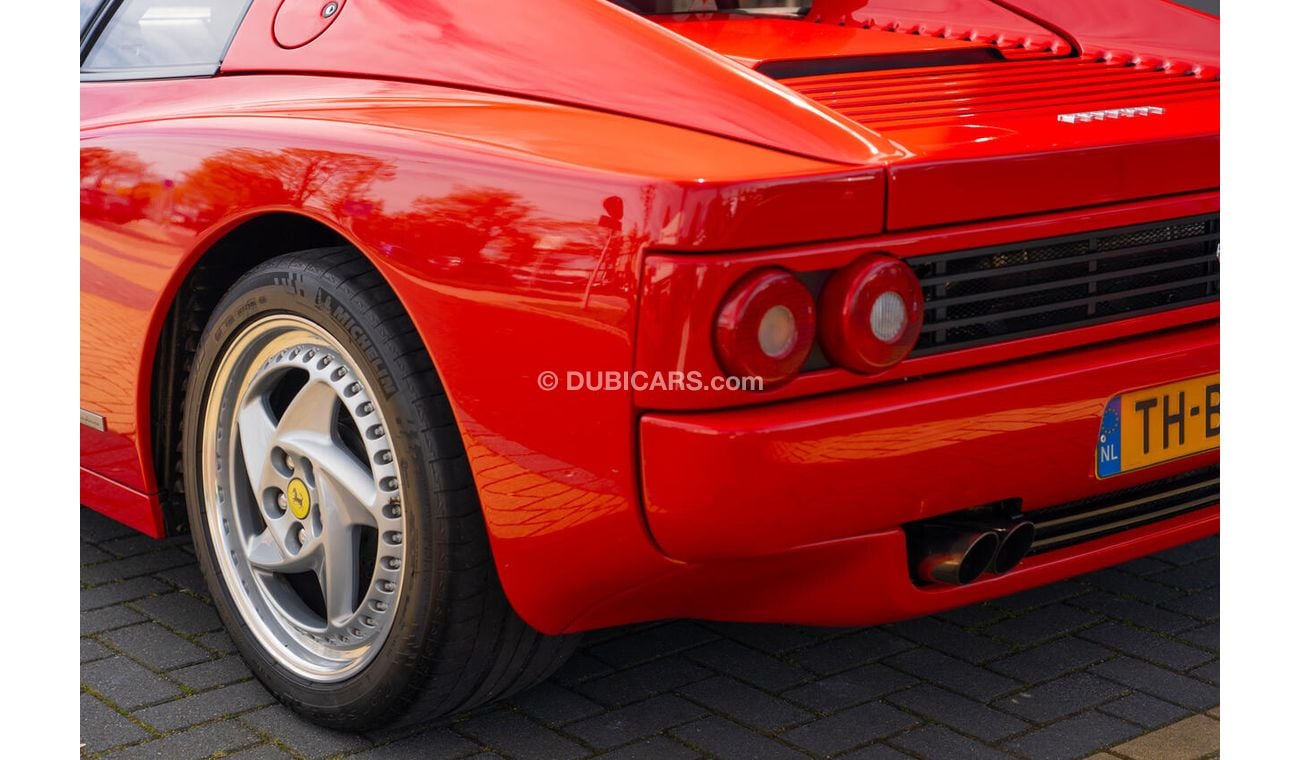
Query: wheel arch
[{"x": 222, "y": 257}]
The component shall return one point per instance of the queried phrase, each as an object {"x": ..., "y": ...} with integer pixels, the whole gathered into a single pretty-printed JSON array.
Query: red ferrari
[{"x": 450, "y": 330}]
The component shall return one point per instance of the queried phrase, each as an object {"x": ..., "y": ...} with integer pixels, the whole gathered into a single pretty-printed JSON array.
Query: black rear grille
[
  {"x": 1014, "y": 291},
  {"x": 1085, "y": 520}
]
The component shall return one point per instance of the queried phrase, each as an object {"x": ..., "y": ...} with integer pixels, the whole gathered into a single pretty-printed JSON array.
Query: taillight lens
[
  {"x": 870, "y": 313},
  {"x": 765, "y": 327}
]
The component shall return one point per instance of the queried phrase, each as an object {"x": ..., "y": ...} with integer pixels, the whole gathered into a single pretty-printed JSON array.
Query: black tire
[{"x": 455, "y": 641}]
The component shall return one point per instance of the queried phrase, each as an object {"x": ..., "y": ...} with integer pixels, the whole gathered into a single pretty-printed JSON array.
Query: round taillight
[
  {"x": 870, "y": 314},
  {"x": 765, "y": 327}
]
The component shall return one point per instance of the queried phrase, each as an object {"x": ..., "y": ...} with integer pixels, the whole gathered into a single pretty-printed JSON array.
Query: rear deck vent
[{"x": 947, "y": 95}]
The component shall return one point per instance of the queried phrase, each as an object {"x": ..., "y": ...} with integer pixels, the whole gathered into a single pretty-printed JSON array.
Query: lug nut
[{"x": 282, "y": 501}]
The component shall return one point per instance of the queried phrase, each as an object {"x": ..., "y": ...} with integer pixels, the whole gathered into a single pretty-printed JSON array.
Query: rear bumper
[
  {"x": 770, "y": 480},
  {"x": 793, "y": 512}
]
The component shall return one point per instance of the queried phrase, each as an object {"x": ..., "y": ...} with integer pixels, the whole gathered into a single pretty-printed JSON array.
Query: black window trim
[
  {"x": 91, "y": 34},
  {"x": 150, "y": 72}
]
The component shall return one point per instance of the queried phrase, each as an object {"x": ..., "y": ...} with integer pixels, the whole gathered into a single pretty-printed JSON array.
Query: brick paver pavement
[{"x": 1122, "y": 663}]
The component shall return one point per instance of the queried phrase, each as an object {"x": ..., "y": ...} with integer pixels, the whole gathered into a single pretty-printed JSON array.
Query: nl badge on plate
[{"x": 1156, "y": 425}]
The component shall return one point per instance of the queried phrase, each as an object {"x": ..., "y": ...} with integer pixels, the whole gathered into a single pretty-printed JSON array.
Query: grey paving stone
[
  {"x": 965, "y": 715},
  {"x": 722, "y": 739},
  {"x": 1047, "y": 661},
  {"x": 850, "y": 728},
  {"x": 206, "y": 706},
  {"x": 875, "y": 752},
  {"x": 1159, "y": 682},
  {"x": 745, "y": 704},
  {"x": 973, "y": 616},
  {"x": 634, "y": 684},
  {"x": 127, "y": 684},
  {"x": 937, "y": 687},
  {"x": 940, "y": 742},
  {"x": 90, "y": 554},
  {"x": 1040, "y": 596},
  {"x": 944, "y": 670},
  {"x": 1205, "y": 636},
  {"x": 1197, "y": 577},
  {"x": 1132, "y": 611},
  {"x": 755, "y": 667},
  {"x": 1076, "y": 737},
  {"x": 1042, "y": 623},
  {"x": 1147, "y": 646},
  {"x": 1203, "y": 605},
  {"x": 206, "y": 675},
  {"x": 92, "y": 650},
  {"x": 621, "y": 726},
  {"x": 129, "y": 546},
  {"x": 1191, "y": 553},
  {"x": 144, "y": 564},
  {"x": 582, "y": 667},
  {"x": 108, "y": 618},
  {"x": 306, "y": 739},
  {"x": 439, "y": 743},
  {"x": 1128, "y": 585},
  {"x": 551, "y": 703},
  {"x": 261, "y": 752},
  {"x": 654, "y": 748},
  {"x": 187, "y": 578},
  {"x": 858, "y": 648},
  {"x": 1144, "y": 565},
  {"x": 218, "y": 641},
  {"x": 1064, "y": 696},
  {"x": 96, "y": 527},
  {"x": 650, "y": 643},
  {"x": 946, "y": 637},
  {"x": 852, "y": 687},
  {"x": 1208, "y": 672},
  {"x": 516, "y": 735},
  {"x": 1145, "y": 710},
  {"x": 121, "y": 591},
  {"x": 200, "y": 742},
  {"x": 155, "y": 646},
  {"x": 181, "y": 612},
  {"x": 103, "y": 728},
  {"x": 772, "y": 639}
]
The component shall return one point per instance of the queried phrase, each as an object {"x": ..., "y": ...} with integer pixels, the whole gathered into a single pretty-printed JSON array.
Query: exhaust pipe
[
  {"x": 954, "y": 554},
  {"x": 1014, "y": 539}
]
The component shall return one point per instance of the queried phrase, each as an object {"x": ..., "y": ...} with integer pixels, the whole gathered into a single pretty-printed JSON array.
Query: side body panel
[{"x": 515, "y": 252}]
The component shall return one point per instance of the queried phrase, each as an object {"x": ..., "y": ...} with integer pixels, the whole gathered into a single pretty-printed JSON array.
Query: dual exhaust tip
[{"x": 957, "y": 552}]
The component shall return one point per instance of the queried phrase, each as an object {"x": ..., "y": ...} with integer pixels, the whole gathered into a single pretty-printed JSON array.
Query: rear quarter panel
[{"x": 515, "y": 248}]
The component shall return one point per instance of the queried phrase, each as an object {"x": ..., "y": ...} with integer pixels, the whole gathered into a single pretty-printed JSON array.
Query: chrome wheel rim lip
[{"x": 260, "y": 541}]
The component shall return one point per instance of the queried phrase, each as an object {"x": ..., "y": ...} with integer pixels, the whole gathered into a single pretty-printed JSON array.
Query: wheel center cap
[{"x": 299, "y": 498}]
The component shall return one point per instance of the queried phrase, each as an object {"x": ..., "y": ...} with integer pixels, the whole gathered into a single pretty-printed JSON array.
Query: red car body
[{"x": 570, "y": 187}]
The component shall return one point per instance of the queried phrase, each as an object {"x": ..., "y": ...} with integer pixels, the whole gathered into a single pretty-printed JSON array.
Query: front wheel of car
[{"x": 332, "y": 508}]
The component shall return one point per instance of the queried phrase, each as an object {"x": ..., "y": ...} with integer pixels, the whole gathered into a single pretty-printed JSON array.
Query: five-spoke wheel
[
  {"x": 306, "y": 498},
  {"x": 333, "y": 509}
]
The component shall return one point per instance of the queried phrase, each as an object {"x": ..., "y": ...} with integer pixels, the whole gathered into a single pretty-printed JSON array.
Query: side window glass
[
  {"x": 159, "y": 38},
  {"x": 88, "y": 8}
]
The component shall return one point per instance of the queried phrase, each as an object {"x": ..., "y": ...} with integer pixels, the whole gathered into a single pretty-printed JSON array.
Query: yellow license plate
[{"x": 1155, "y": 425}]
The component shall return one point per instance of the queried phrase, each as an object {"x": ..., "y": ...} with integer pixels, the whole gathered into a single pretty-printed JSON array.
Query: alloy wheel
[{"x": 303, "y": 497}]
